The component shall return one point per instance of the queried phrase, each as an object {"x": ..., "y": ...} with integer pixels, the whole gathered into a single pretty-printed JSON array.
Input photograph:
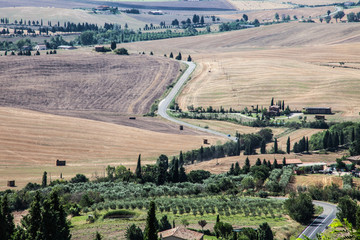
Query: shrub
[
  {"x": 119, "y": 214},
  {"x": 121, "y": 51}
]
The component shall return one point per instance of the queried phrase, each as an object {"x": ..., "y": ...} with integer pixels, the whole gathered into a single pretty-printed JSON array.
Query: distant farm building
[
  {"x": 40, "y": 47},
  {"x": 181, "y": 127},
  {"x": 206, "y": 141},
  {"x": 317, "y": 110},
  {"x": 60, "y": 163},
  {"x": 158, "y": 12},
  {"x": 11, "y": 183},
  {"x": 180, "y": 233},
  {"x": 66, "y": 47},
  {"x": 102, "y": 8},
  {"x": 274, "y": 110}
]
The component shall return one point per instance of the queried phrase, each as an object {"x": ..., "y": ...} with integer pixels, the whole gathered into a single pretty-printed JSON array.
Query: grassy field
[
  {"x": 257, "y": 5},
  {"x": 30, "y": 143},
  {"x": 111, "y": 229}
]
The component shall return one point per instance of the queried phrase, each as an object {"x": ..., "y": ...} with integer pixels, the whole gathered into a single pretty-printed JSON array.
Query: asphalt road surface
[
  {"x": 321, "y": 222},
  {"x": 164, "y": 104}
]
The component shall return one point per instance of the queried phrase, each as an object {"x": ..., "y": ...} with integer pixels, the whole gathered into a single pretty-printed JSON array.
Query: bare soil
[{"x": 84, "y": 83}]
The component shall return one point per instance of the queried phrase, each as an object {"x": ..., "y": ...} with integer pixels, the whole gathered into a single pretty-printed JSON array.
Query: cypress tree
[
  {"x": 275, "y": 165},
  {"x": 7, "y": 226},
  {"x": 150, "y": 232},
  {"x": 217, "y": 218},
  {"x": 44, "y": 179},
  {"x": 32, "y": 221},
  {"x": 275, "y": 146},
  {"x": 182, "y": 175},
  {"x": 307, "y": 145},
  {"x": 171, "y": 55},
  {"x": 284, "y": 162},
  {"x": 97, "y": 236},
  {"x": 283, "y": 104},
  {"x": 189, "y": 59},
  {"x": 263, "y": 147},
  {"x": 336, "y": 140},
  {"x": 325, "y": 140},
  {"x": 175, "y": 171},
  {"x": 353, "y": 135},
  {"x": 269, "y": 164},
  {"x": 181, "y": 159},
  {"x": 342, "y": 137},
  {"x": 232, "y": 170},
  {"x": 237, "y": 169},
  {"x": 288, "y": 146},
  {"x": 272, "y": 102},
  {"x": 264, "y": 232},
  {"x": 238, "y": 149},
  {"x": 258, "y": 162},
  {"x": 246, "y": 167},
  {"x": 138, "y": 168},
  {"x": 264, "y": 162}
]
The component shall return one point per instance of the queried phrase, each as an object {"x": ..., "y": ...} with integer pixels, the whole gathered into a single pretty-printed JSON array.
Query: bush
[
  {"x": 119, "y": 214},
  {"x": 121, "y": 51},
  {"x": 79, "y": 178},
  {"x": 300, "y": 208}
]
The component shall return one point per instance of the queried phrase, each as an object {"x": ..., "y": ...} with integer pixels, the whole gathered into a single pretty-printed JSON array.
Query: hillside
[
  {"x": 295, "y": 62},
  {"x": 30, "y": 143},
  {"x": 81, "y": 83}
]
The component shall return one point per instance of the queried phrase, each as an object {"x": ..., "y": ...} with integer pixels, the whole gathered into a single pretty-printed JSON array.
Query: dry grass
[
  {"x": 30, "y": 143},
  {"x": 257, "y": 5},
  {"x": 269, "y": 15},
  {"x": 84, "y": 81},
  {"x": 67, "y": 15}
]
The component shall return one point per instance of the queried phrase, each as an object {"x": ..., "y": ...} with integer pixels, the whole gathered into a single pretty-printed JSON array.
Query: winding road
[
  {"x": 164, "y": 104},
  {"x": 321, "y": 222},
  {"x": 316, "y": 227}
]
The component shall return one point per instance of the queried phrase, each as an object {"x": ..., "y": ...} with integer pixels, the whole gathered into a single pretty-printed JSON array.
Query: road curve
[
  {"x": 321, "y": 222},
  {"x": 164, "y": 104}
]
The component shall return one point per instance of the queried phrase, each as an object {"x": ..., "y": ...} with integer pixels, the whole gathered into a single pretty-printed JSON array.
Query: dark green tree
[
  {"x": 258, "y": 162},
  {"x": 175, "y": 171},
  {"x": 138, "y": 168},
  {"x": 163, "y": 164},
  {"x": 32, "y": 221},
  {"x": 181, "y": 159},
  {"x": 113, "y": 46},
  {"x": 347, "y": 210},
  {"x": 150, "y": 232},
  {"x": 189, "y": 59},
  {"x": 171, "y": 55},
  {"x": 276, "y": 146},
  {"x": 178, "y": 57},
  {"x": 284, "y": 162},
  {"x": 264, "y": 232},
  {"x": 182, "y": 174},
  {"x": 245, "y": 17},
  {"x": 232, "y": 170},
  {"x": 237, "y": 169},
  {"x": 326, "y": 140},
  {"x": 263, "y": 147},
  {"x": 164, "y": 224},
  {"x": 275, "y": 164},
  {"x": 44, "y": 179},
  {"x": 246, "y": 167},
  {"x": 288, "y": 146},
  {"x": 272, "y": 102},
  {"x": 7, "y": 226},
  {"x": 134, "y": 233},
  {"x": 300, "y": 208}
]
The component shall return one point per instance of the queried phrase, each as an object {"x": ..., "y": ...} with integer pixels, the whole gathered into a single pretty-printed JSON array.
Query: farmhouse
[
  {"x": 60, "y": 163},
  {"x": 274, "y": 110},
  {"x": 66, "y": 47},
  {"x": 158, "y": 12},
  {"x": 11, "y": 183},
  {"x": 180, "y": 233},
  {"x": 317, "y": 110},
  {"x": 40, "y": 47}
]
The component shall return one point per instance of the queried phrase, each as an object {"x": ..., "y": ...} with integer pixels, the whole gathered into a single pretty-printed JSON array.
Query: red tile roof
[{"x": 182, "y": 233}]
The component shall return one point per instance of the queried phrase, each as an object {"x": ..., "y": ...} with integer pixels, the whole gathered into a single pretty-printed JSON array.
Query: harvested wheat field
[
  {"x": 84, "y": 81},
  {"x": 30, "y": 143},
  {"x": 269, "y": 15},
  {"x": 257, "y": 5}
]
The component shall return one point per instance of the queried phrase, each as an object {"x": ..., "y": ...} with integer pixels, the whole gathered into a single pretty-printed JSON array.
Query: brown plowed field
[
  {"x": 84, "y": 82},
  {"x": 30, "y": 143}
]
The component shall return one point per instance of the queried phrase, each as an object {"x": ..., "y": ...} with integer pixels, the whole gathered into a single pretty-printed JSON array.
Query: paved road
[
  {"x": 321, "y": 222},
  {"x": 164, "y": 104}
]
